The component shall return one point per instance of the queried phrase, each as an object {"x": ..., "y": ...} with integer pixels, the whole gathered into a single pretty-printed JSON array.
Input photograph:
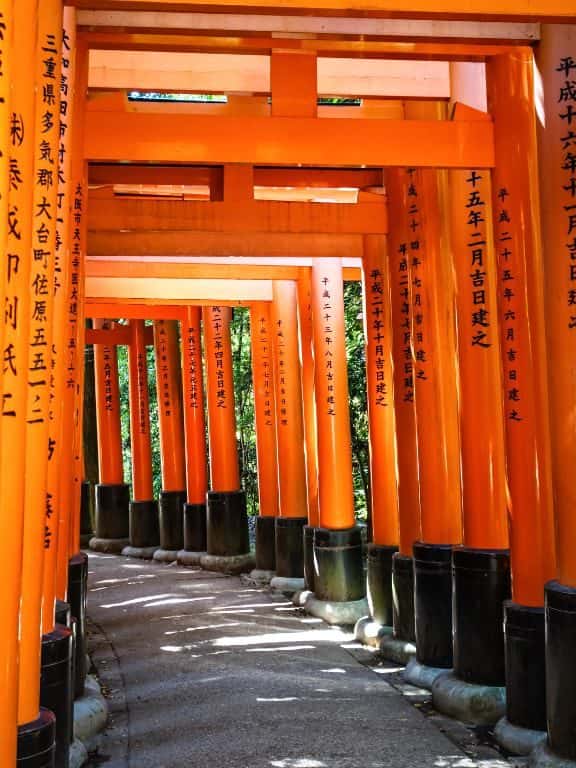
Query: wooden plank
[
  {"x": 177, "y": 290},
  {"x": 221, "y": 244},
  {"x": 241, "y": 73},
  {"x": 380, "y": 29},
  {"x": 96, "y": 308},
  {"x": 238, "y": 216},
  {"x": 114, "y": 137}
]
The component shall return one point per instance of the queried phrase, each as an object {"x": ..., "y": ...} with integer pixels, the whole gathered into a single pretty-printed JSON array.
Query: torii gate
[{"x": 485, "y": 197}]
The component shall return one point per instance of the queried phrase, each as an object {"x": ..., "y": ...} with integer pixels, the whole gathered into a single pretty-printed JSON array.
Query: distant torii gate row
[{"x": 469, "y": 319}]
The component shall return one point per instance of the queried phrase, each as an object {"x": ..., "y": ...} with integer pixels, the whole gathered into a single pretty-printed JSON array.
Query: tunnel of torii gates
[{"x": 449, "y": 189}]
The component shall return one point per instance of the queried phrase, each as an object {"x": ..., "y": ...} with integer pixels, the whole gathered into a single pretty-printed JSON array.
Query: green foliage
[{"x": 244, "y": 396}]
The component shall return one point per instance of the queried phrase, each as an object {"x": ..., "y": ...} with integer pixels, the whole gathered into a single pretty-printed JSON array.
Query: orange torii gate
[{"x": 482, "y": 235}]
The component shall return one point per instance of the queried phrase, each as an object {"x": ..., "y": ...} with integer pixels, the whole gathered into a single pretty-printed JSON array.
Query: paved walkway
[{"x": 203, "y": 670}]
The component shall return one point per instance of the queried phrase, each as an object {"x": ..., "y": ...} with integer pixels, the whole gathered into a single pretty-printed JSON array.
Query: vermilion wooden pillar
[
  {"x": 172, "y": 458},
  {"x": 337, "y": 542},
  {"x": 305, "y": 326},
  {"x": 533, "y": 556},
  {"x": 21, "y": 32},
  {"x": 261, "y": 333},
  {"x": 381, "y": 426},
  {"x": 112, "y": 493},
  {"x": 227, "y": 521},
  {"x": 293, "y": 505},
  {"x": 195, "y": 431},
  {"x": 401, "y": 246},
  {"x": 144, "y": 524}
]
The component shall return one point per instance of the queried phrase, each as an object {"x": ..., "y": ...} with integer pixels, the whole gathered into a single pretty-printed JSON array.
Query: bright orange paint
[
  {"x": 335, "y": 491},
  {"x": 224, "y": 469},
  {"x": 264, "y": 408},
  {"x": 524, "y": 353},
  {"x": 484, "y": 488},
  {"x": 44, "y": 204},
  {"x": 139, "y": 414},
  {"x": 380, "y": 390},
  {"x": 308, "y": 400},
  {"x": 435, "y": 364},
  {"x": 108, "y": 412},
  {"x": 288, "y": 388},
  {"x": 60, "y": 329},
  {"x": 21, "y": 30},
  {"x": 169, "y": 393},
  {"x": 193, "y": 396},
  {"x": 397, "y": 184}
]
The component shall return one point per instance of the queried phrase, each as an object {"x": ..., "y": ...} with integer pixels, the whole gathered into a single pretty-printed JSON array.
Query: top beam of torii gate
[{"x": 527, "y": 9}]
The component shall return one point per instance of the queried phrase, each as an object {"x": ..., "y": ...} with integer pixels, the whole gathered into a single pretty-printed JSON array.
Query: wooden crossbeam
[
  {"x": 193, "y": 175},
  {"x": 177, "y": 291},
  {"x": 472, "y": 9},
  {"x": 115, "y": 137},
  {"x": 235, "y": 73},
  {"x": 98, "y": 308},
  {"x": 243, "y": 216},
  {"x": 222, "y": 244},
  {"x": 119, "y": 335}
]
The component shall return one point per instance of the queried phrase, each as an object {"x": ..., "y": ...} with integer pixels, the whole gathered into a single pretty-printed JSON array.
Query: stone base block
[
  {"x": 78, "y": 754},
  {"x": 421, "y": 675},
  {"x": 232, "y": 564},
  {"x": 370, "y": 632},
  {"x": 261, "y": 577},
  {"x": 287, "y": 585},
  {"x": 85, "y": 539},
  {"x": 299, "y": 598},
  {"x": 470, "y": 703},
  {"x": 517, "y": 740},
  {"x": 166, "y": 555},
  {"x": 190, "y": 558},
  {"x": 341, "y": 613},
  {"x": 108, "y": 546},
  {"x": 543, "y": 757},
  {"x": 143, "y": 553},
  {"x": 397, "y": 650},
  {"x": 90, "y": 714}
]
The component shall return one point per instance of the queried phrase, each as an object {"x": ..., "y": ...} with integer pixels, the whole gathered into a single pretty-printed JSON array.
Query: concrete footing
[
  {"x": 288, "y": 585},
  {"x": 90, "y": 717},
  {"x": 332, "y": 612},
  {"x": 473, "y": 704},
  {"x": 143, "y": 553},
  {"x": 232, "y": 564},
  {"x": 421, "y": 675},
  {"x": 370, "y": 632},
  {"x": 85, "y": 539},
  {"x": 166, "y": 555},
  {"x": 261, "y": 577},
  {"x": 108, "y": 546},
  {"x": 397, "y": 650},
  {"x": 543, "y": 757},
  {"x": 517, "y": 740},
  {"x": 190, "y": 558}
]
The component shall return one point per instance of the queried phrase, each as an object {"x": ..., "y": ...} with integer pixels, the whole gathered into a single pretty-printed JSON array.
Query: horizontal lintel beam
[
  {"x": 144, "y": 215},
  {"x": 120, "y": 335},
  {"x": 175, "y": 291},
  {"x": 156, "y": 138}
]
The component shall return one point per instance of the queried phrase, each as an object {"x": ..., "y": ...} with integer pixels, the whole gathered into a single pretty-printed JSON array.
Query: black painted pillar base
[
  {"x": 289, "y": 540},
  {"x": 37, "y": 742},
  {"x": 112, "y": 518},
  {"x": 266, "y": 544},
  {"x": 171, "y": 506},
  {"x": 195, "y": 527},
  {"x": 62, "y": 613},
  {"x": 379, "y": 583},
  {"x": 481, "y": 585},
  {"x": 403, "y": 597},
  {"x": 433, "y": 604},
  {"x": 227, "y": 524},
  {"x": 77, "y": 595},
  {"x": 86, "y": 525},
  {"x": 144, "y": 524},
  {"x": 56, "y": 689},
  {"x": 560, "y": 617},
  {"x": 308, "y": 553},
  {"x": 339, "y": 574}
]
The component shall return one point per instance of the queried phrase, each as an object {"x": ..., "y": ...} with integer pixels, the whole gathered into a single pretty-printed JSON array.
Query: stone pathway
[{"x": 203, "y": 670}]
